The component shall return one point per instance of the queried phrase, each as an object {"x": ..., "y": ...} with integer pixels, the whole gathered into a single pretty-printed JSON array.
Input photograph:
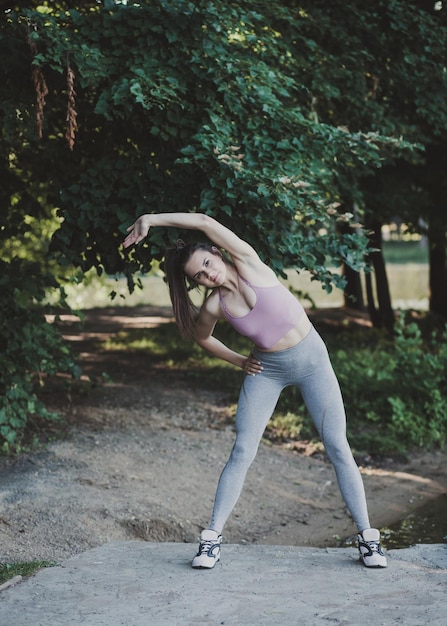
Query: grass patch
[
  {"x": 26, "y": 569},
  {"x": 405, "y": 252},
  {"x": 163, "y": 346}
]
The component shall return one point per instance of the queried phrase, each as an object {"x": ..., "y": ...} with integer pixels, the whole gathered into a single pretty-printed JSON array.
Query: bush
[
  {"x": 395, "y": 390},
  {"x": 30, "y": 348},
  {"x": 419, "y": 402}
]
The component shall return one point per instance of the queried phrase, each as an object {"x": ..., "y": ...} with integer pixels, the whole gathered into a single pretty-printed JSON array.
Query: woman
[{"x": 288, "y": 351}]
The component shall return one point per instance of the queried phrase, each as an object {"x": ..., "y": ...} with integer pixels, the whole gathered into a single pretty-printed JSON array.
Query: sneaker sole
[
  {"x": 205, "y": 566},
  {"x": 373, "y": 565}
]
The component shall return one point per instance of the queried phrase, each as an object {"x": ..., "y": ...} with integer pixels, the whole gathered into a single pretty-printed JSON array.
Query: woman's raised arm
[{"x": 214, "y": 230}]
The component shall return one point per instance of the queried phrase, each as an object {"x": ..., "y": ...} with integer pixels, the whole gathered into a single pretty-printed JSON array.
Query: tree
[
  {"x": 391, "y": 78},
  {"x": 110, "y": 110},
  {"x": 216, "y": 78}
]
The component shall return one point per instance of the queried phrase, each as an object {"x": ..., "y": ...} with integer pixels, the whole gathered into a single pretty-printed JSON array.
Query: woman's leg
[
  {"x": 257, "y": 401},
  {"x": 323, "y": 399}
]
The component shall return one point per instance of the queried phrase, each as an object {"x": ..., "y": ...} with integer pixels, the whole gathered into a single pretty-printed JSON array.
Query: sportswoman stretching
[{"x": 288, "y": 351}]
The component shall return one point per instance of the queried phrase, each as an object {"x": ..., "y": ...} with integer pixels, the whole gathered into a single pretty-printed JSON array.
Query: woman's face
[{"x": 206, "y": 268}]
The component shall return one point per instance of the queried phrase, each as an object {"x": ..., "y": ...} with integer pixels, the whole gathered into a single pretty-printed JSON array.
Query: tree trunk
[
  {"x": 372, "y": 309},
  {"x": 353, "y": 292},
  {"x": 438, "y": 270},
  {"x": 383, "y": 313},
  {"x": 386, "y": 312}
]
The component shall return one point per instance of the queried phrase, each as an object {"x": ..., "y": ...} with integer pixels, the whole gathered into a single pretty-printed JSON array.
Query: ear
[{"x": 216, "y": 251}]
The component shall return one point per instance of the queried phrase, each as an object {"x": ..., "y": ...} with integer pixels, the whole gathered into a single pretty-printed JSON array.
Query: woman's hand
[
  {"x": 252, "y": 366},
  {"x": 138, "y": 231}
]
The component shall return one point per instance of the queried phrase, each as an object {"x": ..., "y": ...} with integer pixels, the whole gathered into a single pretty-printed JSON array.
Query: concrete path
[{"x": 153, "y": 584}]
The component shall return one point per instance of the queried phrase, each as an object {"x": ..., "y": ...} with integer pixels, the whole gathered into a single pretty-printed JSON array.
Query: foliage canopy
[{"x": 194, "y": 106}]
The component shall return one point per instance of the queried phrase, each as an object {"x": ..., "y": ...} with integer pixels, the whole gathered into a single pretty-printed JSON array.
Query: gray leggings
[{"x": 307, "y": 366}]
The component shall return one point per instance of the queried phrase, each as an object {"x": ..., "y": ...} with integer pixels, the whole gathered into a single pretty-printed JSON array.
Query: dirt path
[{"x": 141, "y": 455}]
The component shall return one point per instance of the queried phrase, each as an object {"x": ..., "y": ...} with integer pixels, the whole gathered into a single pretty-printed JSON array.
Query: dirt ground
[{"x": 140, "y": 455}]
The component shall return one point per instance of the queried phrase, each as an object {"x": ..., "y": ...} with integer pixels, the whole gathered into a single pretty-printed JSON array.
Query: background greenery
[{"x": 293, "y": 123}]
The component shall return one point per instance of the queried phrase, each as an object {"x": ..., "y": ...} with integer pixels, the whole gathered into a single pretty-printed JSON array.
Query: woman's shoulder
[{"x": 211, "y": 305}]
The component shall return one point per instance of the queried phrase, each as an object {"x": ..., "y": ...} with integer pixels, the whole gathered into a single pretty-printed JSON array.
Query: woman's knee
[
  {"x": 243, "y": 453},
  {"x": 338, "y": 451}
]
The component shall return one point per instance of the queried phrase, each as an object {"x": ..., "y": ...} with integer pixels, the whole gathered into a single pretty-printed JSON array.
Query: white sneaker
[
  {"x": 370, "y": 550},
  {"x": 209, "y": 550}
]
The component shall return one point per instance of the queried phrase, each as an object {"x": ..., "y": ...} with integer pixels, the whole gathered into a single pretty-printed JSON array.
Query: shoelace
[
  {"x": 205, "y": 546},
  {"x": 373, "y": 546}
]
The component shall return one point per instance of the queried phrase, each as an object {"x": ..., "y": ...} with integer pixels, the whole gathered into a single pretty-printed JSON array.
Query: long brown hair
[{"x": 185, "y": 311}]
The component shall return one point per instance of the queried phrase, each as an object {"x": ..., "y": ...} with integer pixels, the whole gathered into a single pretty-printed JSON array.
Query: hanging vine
[
  {"x": 72, "y": 125},
  {"x": 40, "y": 85}
]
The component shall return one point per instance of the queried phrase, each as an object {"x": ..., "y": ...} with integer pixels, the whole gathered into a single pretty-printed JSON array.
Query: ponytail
[{"x": 185, "y": 311}]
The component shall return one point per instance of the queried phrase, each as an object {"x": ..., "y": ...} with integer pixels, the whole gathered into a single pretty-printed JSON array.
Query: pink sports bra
[{"x": 276, "y": 311}]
